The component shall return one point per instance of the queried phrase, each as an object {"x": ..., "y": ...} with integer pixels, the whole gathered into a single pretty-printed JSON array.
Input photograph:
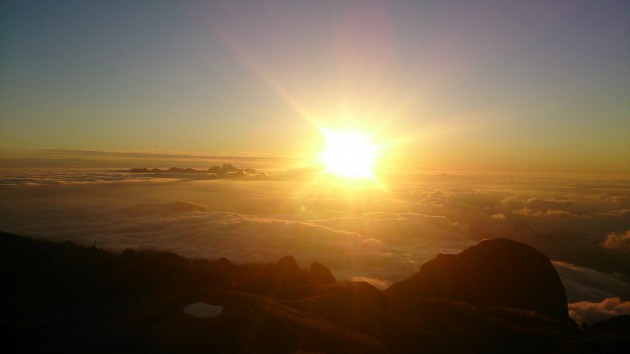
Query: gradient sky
[{"x": 472, "y": 85}]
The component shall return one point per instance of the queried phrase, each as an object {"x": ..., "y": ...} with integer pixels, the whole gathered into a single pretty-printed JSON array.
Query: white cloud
[
  {"x": 380, "y": 236},
  {"x": 549, "y": 212},
  {"x": 618, "y": 240},
  {"x": 385, "y": 247},
  {"x": 591, "y": 312},
  {"x": 377, "y": 283}
]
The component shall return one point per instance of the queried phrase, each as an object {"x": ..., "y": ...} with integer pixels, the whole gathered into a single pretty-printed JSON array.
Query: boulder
[
  {"x": 498, "y": 272},
  {"x": 618, "y": 324}
]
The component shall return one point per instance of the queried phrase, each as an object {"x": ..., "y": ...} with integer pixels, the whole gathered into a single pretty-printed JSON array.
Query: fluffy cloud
[
  {"x": 375, "y": 235},
  {"x": 618, "y": 240},
  {"x": 550, "y": 213},
  {"x": 591, "y": 312},
  {"x": 546, "y": 204},
  {"x": 401, "y": 227},
  {"x": 378, "y": 283},
  {"x": 377, "y": 247}
]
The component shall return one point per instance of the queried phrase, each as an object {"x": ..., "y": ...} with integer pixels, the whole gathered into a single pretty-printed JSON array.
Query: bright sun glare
[{"x": 348, "y": 154}]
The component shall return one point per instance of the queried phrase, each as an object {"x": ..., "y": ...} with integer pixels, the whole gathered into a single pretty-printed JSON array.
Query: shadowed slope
[{"x": 72, "y": 298}]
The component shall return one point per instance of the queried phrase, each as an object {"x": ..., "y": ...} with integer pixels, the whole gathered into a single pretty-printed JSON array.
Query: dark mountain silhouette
[
  {"x": 618, "y": 324},
  {"x": 320, "y": 274},
  {"x": 180, "y": 206},
  {"x": 226, "y": 170},
  {"x": 358, "y": 306},
  {"x": 63, "y": 297},
  {"x": 497, "y": 272}
]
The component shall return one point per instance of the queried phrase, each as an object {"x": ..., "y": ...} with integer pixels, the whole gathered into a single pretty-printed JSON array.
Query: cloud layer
[
  {"x": 591, "y": 312},
  {"x": 368, "y": 233},
  {"x": 618, "y": 241}
]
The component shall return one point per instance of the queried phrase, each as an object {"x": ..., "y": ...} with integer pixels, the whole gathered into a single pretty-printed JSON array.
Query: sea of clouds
[{"x": 380, "y": 233}]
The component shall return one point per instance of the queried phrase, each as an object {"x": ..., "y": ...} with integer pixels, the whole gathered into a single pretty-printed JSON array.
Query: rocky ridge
[{"x": 489, "y": 298}]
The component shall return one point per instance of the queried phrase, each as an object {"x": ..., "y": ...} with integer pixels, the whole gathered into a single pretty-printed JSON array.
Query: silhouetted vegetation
[{"x": 64, "y": 297}]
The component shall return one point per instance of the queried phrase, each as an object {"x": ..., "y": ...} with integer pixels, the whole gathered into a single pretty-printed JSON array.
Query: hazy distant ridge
[{"x": 223, "y": 171}]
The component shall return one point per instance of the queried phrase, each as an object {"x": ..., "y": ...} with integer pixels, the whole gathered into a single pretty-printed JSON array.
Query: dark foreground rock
[
  {"x": 497, "y": 272},
  {"x": 251, "y": 324},
  {"x": 618, "y": 324},
  {"x": 62, "y": 298},
  {"x": 353, "y": 305}
]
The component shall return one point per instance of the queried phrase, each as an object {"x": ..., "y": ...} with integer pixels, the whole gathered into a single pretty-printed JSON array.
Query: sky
[{"x": 537, "y": 86}]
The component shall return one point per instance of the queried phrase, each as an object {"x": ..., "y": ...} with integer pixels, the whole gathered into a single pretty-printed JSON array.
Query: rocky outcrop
[
  {"x": 497, "y": 272},
  {"x": 320, "y": 274},
  {"x": 618, "y": 324},
  {"x": 270, "y": 279},
  {"x": 74, "y": 298},
  {"x": 357, "y": 306}
]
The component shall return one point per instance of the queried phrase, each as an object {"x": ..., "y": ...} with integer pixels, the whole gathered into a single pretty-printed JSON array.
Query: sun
[{"x": 348, "y": 154}]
